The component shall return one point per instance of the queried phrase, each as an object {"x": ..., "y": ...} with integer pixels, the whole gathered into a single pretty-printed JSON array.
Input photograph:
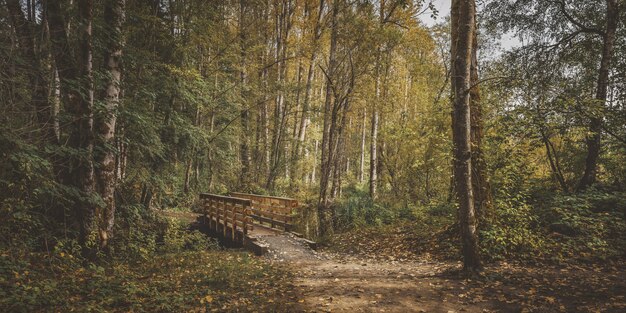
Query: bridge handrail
[
  {"x": 265, "y": 209},
  {"x": 241, "y": 201}
]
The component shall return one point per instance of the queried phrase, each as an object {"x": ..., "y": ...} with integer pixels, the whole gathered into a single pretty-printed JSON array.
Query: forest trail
[
  {"x": 380, "y": 281},
  {"x": 337, "y": 282},
  {"x": 329, "y": 282}
]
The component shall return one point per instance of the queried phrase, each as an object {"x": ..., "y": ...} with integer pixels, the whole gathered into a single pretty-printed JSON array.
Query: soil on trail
[
  {"x": 385, "y": 276},
  {"x": 339, "y": 283}
]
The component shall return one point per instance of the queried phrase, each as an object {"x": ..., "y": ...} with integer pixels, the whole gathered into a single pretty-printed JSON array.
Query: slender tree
[
  {"x": 463, "y": 16},
  {"x": 114, "y": 12},
  {"x": 480, "y": 184},
  {"x": 595, "y": 122}
]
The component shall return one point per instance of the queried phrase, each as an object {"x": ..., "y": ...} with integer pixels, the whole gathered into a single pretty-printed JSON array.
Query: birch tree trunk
[
  {"x": 362, "y": 160},
  {"x": 304, "y": 121},
  {"x": 374, "y": 143},
  {"x": 105, "y": 122}
]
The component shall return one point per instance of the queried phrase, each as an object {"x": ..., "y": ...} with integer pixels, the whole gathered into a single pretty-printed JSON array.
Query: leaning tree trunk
[
  {"x": 105, "y": 122},
  {"x": 463, "y": 16},
  {"x": 595, "y": 123},
  {"x": 304, "y": 121}
]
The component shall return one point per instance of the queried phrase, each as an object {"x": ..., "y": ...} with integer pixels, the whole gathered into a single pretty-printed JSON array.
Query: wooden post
[
  {"x": 234, "y": 221},
  {"x": 224, "y": 218},
  {"x": 245, "y": 221}
]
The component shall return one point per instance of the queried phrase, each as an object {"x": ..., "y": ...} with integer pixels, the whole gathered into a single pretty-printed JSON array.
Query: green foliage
[
  {"x": 590, "y": 225},
  {"x": 141, "y": 234},
  {"x": 358, "y": 210},
  {"x": 171, "y": 282},
  {"x": 513, "y": 232}
]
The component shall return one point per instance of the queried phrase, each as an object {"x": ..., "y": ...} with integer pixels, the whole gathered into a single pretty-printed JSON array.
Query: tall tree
[
  {"x": 77, "y": 91},
  {"x": 595, "y": 121},
  {"x": 244, "y": 146},
  {"x": 305, "y": 119},
  {"x": 463, "y": 15},
  {"x": 114, "y": 13},
  {"x": 325, "y": 214},
  {"x": 480, "y": 184}
]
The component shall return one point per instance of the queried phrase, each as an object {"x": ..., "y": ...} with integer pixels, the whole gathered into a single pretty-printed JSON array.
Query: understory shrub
[{"x": 512, "y": 232}]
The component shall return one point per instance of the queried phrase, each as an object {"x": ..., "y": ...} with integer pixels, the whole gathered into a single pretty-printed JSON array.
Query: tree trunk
[
  {"x": 553, "y": 160},
  {"x": 77, "y": 91},
  {"x": 284, "y": 11},
  {"x": 324, "y": 209},
  {"x": 374, "y": 143},
  {"x": 244, "y": 149},
  {"x": 105, "y": 122},
  {"x": 480, "y": 184},
  {"x": 304, "y": 121},
  {"x": 463, "y": 16},
  {"x": 595, "y": 123},
  {"x": 362, "y": 159}
]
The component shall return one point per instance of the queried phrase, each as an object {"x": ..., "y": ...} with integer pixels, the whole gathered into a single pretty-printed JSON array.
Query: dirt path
[
  {"x": 339, "y": 283},
  {"x": 344, "y": 282}
]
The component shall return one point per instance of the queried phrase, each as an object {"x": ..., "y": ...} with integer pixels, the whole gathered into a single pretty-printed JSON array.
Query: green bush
[
  {"x": 513, "y": 232},
  {"x": 588, "y": 225}
]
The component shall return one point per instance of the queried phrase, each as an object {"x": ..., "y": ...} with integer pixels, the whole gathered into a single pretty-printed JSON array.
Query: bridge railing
[
  {"x": 276, "y": 212},
  {"x": 229, "y": 215}
]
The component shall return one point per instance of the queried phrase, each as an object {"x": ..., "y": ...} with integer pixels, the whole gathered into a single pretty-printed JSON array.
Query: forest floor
[
  {"x": 372, "y": 275},
  {"x": 335, "y": 282},
  {"x": 391, "y": 270}
]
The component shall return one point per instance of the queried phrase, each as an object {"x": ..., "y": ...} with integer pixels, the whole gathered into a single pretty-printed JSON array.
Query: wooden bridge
[{"x": 241, "y": 218}]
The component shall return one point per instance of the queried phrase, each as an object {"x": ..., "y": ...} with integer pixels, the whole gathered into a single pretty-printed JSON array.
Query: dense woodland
[{"x": 498, "y": 134}]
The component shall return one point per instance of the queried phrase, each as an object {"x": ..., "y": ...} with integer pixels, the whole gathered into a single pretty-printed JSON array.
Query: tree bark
[
  {"x": 304, "y": 121},
  {"x": 244, "y": 147},
  {"x": 77, "y": 91},
  {"x": 374, "y": 143},
  {"x": 284, "y": 11},
  {"x": 105, "y": 122},
  {"x": 362, "y": 159},
  {"x": 595, "y": 123},
  {"x": 480, "y": 184},
  {"x": 324, "y": 209},
  {"x": 463, "y": 16}
]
